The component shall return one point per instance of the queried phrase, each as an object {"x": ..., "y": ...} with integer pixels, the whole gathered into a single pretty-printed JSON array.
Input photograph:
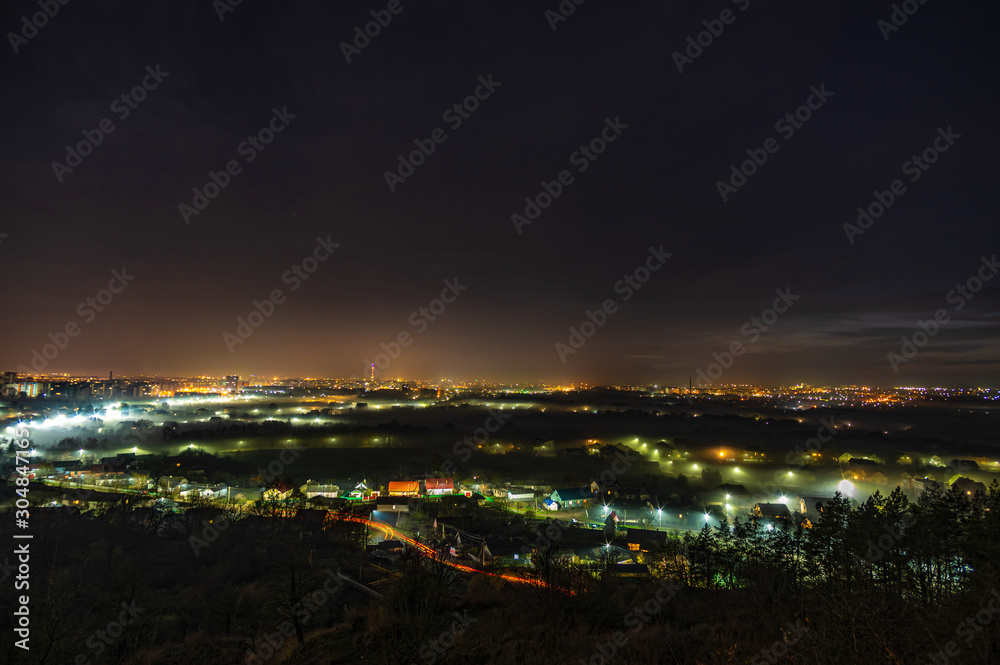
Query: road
[{"x": 390, "y": 532}]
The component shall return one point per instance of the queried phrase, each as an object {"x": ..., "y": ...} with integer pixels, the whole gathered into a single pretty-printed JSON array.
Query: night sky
[{"x": 608, "y": 67}]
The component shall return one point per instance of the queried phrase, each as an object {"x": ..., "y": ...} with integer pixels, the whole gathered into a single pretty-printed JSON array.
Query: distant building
[
  {"x": 191, "y": 490},
  {"x": 728, "y": 493},
  {"x": 916, "y": 485},
  {"x": 573, "y": 497},
  {"x": 772, "y": 511},
  {"x": 308, "y": 520},
  {"x": 404, "y": 488},
  {"x": 311, "y": 490},
  {"x": 878, "y": 478},
  {"x": 438, "y": 486},
  {"x": 519, "y": 494},
  {"x": 968, "y": 486},
  {"x": 171, "y": 483},
  {"x": 645, "y": 540},
  {"x": 27, "y": 389},
  {"x": 863, "y": 469},
  {"x": 812, "y": 505},
  {"x": 117, "y": 464},
  {"x": 277, "y": 494}
]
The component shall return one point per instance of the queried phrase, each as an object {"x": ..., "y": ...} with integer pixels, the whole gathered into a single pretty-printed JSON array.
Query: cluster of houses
[
  {"x": 426, "y": 487},
  {"x": 875, "y": 471}
]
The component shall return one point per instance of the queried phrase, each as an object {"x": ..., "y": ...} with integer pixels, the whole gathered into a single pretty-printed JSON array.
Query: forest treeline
[{"x": 889, "y": 581}]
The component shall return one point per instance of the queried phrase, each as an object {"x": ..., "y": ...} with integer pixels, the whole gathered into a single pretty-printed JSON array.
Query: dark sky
[{"x": 323, "y": 176}]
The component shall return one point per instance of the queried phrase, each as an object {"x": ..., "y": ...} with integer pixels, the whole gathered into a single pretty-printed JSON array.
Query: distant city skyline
[{"x": 236, "y": 382}]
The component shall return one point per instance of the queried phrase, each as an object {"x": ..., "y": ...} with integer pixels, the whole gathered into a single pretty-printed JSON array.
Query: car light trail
[{"x": 389, "y": 532}]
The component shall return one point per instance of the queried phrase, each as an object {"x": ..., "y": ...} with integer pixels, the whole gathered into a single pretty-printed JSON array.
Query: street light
[{"x": 659, "y": 513}]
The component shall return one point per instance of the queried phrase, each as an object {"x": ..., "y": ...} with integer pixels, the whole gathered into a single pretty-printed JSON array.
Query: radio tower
[{"x": 373, "y": 373}]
